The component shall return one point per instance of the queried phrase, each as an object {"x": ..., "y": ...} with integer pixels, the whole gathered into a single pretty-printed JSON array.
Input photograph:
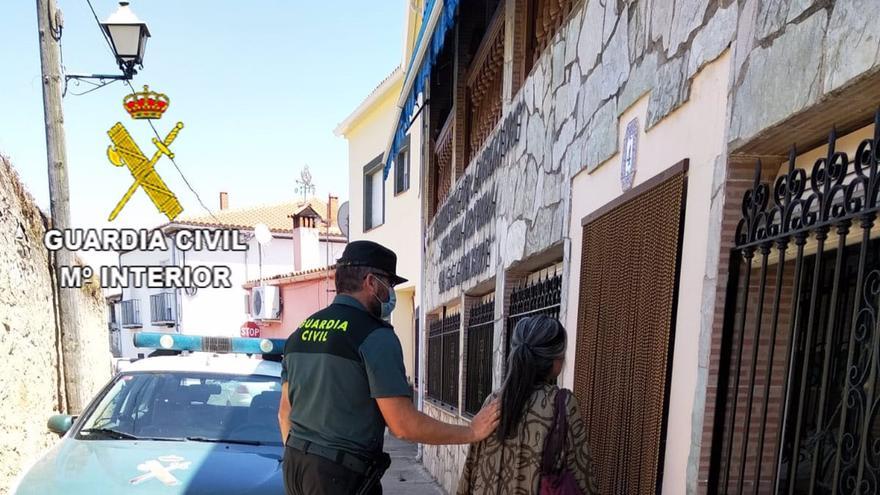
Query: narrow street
[
  {"x": 223, "y": 225},
  {"x": 406, "y": 475}
]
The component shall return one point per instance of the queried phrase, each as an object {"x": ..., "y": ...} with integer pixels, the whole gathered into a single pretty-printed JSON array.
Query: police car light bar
[{"x": 234, "y": 345}]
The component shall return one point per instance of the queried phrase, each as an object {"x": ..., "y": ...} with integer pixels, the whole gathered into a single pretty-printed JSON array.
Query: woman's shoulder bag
[{"x": 555, "y": 478}]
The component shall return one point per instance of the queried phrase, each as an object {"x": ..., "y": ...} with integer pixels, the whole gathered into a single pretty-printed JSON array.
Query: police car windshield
[{"x": 180, "y": 406}]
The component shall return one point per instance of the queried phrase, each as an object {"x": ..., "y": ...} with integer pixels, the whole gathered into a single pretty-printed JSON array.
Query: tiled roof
[
  {"x": 275, "y": 216},
  {"x": 302, "y": 275},
  {"x": 393, "y": 73}
]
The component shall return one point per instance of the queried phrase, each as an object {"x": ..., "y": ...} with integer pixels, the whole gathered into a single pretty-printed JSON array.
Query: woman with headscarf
[{"x": 509, "y": 461}]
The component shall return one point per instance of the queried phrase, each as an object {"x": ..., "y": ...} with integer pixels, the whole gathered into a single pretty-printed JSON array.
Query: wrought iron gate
[{"x": 798, "y": 405}]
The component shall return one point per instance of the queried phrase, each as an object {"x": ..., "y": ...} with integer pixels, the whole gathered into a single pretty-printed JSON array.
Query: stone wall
[
  {"x": 597, "y": 66},
  {"x": 444, "y": 462},
  {"x": 793, "y": 54},
  {"x": 31, "y": 387}
]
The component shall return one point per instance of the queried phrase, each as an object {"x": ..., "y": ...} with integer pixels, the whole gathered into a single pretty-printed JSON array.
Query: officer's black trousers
[{"x": 309, "y": 474}]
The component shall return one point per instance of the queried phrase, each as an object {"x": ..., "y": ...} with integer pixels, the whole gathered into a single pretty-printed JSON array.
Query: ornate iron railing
[
  {"x": 443, "y": 360},
  {"x": 798, "y": 407},
  {"x": 478, "y": 364},
  {"x": 541, "y": 297}
]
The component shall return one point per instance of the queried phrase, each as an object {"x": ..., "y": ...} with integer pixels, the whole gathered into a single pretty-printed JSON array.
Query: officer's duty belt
[{"x": 341, "y": 457}]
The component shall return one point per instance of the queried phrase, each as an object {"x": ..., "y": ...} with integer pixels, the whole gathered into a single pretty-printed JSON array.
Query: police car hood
[{"x": 76, "y": 467}]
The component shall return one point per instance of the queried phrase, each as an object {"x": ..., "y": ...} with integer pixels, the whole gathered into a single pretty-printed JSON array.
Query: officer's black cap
[{"x": 373, "y": 255}]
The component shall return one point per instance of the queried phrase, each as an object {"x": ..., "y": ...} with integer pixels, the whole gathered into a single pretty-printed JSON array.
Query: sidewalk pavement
[{"x": 406, "y": 476}]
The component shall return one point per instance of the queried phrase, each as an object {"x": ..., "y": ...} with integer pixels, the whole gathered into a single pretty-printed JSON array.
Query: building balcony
[
  {"x": 484, "y": 86},
  {"x": 130, "y": 314},
  {"x": 443, "y": 158},
  {"x": 162, "y": 309}
]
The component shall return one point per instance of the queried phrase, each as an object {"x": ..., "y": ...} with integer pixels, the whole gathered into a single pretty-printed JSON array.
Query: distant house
[
  {"x": 305, "y": 234},
  {"x": 301, "y": 294}
]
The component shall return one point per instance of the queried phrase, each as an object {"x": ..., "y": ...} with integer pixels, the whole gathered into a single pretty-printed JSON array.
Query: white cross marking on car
[{"x": 154, "y": 468}]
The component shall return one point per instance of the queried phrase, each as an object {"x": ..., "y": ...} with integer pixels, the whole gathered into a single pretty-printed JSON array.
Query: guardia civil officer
[{"x": 343, "y": 381}]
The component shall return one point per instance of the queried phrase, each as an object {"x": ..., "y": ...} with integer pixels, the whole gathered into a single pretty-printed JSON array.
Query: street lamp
[{"x": 128, "y": 36}]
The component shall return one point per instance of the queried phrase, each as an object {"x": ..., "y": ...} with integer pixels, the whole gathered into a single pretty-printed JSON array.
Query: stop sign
[{"x": 250, "y": 329}]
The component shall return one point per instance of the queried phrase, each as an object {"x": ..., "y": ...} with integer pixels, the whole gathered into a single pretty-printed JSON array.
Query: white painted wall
[
  {"x": 400, "y": 231},
  {"x": 307, "y": 247},
  {"x": 695, "y": 131}
]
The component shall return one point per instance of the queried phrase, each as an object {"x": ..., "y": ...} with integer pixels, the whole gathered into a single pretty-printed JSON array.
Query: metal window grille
[
  {"x": 540, "y": 297},
  {"x": 627, "y": 300},
  {"x": 130, "y": 313},
  {"x": 798, "y": 404},
  {"x": 478, "y": 367},
  {"x": 443, "y": 360},
  {"x": 162, "y": 307},
  {"x": 417, "y": 329}
]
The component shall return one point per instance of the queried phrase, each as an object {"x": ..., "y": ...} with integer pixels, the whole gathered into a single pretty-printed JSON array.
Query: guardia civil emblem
[{"x": 125, "y": 152}]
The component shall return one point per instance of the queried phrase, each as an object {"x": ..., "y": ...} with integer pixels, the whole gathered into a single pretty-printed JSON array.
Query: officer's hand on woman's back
[
  {"x": 407, "y": 423},
  {"x": 485, "y": 422}
]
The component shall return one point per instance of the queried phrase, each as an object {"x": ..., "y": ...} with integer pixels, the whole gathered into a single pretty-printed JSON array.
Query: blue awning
[{"x": 438, "y": 18}]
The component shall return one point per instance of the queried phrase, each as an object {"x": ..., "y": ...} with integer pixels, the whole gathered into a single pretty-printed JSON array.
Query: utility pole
[{"x": 49, "y": 23}]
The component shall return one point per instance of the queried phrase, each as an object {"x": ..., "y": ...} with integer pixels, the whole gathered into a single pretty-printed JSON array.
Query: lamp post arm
[{"x": 102, "y": 80}]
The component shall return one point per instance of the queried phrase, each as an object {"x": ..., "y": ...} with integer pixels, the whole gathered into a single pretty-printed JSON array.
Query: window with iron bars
[
  {"x": 130, "y": 313},
  {"x": 541, "y": 295},
  {"x": 798, "y": 397},
  {"x": 416, "y": 332},
  {"x": 162, "y": 307},
  {"x": 443, "y": 360},
  {"x": 478, "y": 364}
]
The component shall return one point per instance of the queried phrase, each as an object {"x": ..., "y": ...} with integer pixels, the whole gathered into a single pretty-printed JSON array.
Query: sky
[{"x": 258, "y": 85}]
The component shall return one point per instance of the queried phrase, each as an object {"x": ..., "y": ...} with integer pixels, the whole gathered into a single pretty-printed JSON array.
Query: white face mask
[{"x": 387, "y": 306}]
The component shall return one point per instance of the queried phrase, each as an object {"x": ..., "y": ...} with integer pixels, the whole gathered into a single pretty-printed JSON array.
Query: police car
[{"x": 195, "y": 423}]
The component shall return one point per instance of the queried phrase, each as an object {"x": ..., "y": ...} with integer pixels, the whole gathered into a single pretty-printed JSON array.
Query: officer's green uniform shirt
[{"x": 336, "y": 363}]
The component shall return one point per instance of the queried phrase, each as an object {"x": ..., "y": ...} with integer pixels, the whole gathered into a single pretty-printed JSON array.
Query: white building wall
[
  {"x": 305, "y": 241},
  {"x": 142, "y": 296},
  {"x": 401, "y": 230}
]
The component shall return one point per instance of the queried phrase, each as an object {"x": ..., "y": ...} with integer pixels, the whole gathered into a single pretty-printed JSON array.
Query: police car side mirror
[{"x": 59, "y": 424}]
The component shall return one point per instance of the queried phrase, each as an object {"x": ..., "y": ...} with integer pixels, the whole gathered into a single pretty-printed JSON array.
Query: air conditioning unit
[{"x": 266, "y": 303}]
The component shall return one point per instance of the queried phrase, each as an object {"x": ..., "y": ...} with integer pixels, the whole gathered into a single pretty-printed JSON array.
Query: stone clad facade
[
  {"x": 31, "y": 386},
  {"x": 769, "y": 71}
]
